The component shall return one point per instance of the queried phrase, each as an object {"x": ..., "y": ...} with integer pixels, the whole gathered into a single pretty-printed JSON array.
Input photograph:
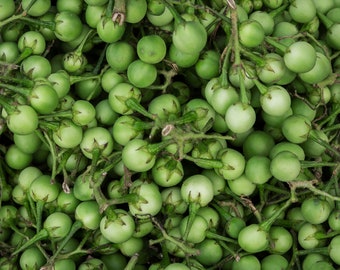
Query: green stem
[
  {"x": 332, "y": 128},
  {"x": 329, "y": 120},
  {"x": 222, "y": 212},
  {"x": 225, "y": 66},
  {"x": 309, "y": 185},
  {"x": 17, "y": 89},
  {"x": 321, "y": 250},
  {"x": 216, "y": 236},
  {"x": 6, "y": 105},
  {"x": 134, "y": 105},
  {"x": 80, "y": 47},
  {"x": 231, "y": 251},
  {"x": 132, "y": 262},
  {"x": 258, "y": 60},
  {"x": 275, "y": 12},
  {"x": 314, "y": 164},
  {"x": 260, "y": 86},
  {"x": 155, "y": 148},
  {"x": 214, "y": 163},
  {"x": 39, "y": 208},
  {"x": 177, "y": 17},
  {"x": 188, "y": 117},
  {"x": 279, "y": 46},
  {"x": 275, "y": 189},
  {"x": 62, "y": 114},
  {"x": 76, "y": 79},
  {"x": 36, "y": 22},
  {"x": 313, "y": 136},
  {"x": 43, "y": 234},
  {"x": 12, "y": 80},
  {"x": 321, "y": 235},
  {"x": 12, "y": 19},
  {"x": 324, "y": 19},
  {"x": 75, "y": 227},
  {"x": 193, "y": 208},
  {"x": 238, "y": 62},
  {"x": 53, "y": 152},
  {"x": 97, "y": 69},
  {"x": 187, "y": 250},
  {"x": 265, "y": 225}
]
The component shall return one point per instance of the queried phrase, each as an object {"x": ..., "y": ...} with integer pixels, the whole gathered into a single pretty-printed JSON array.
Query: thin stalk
[
  {"x": 216, "y": 236},
  {"x": 133, "y": 104},
  {"x": 75, "y": 227},
  {"x": 214, "y": 163},
  {"x": 132, "y": 262},
  {"x": 17, "y": 89},
  {"x": 314, "y": 164},
  {"x": 43, "y": 234},
  {"x": 277, "y": 45},
  {"x": 165, "y": 237},
  {"x": 238, "y": 62},
  {"x": 310, "y": 186},
  {"x": 39, "y": 208},
  {"x": 177, "y": 17},
  {"x": 265, "y": 225},
  {"x": 193, "y": 208},
  {"x": 225, "y": 65},
  {"x": 321, "y": 250},
  {"x": 12, "y": 80},
  {"x": 325, "y": 20},
  {"x": 275, "y": 12},
  {"x": 258, "y": 60}
]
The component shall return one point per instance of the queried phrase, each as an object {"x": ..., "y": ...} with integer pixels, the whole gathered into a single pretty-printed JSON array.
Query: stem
[
  {"x": 193, "y": 208},
  {"x": 279, "y": 46},
  {"x": 258, "y": 60},
  {"x": 188, "y": 117},
  {"x": 232, "y": 252},
  {"x": 35, "y": 22},
  {"x": 75, "y": 227},
  {"x": 260, "y": 86},
  {"x": 82, "y": 43},
  {"x": 12, "y": 19},
  {"x": 222, "y": 212},
  {"x": 39, "y": 207},
  {"x": 317, "y": 139},
  {"x": 157, "y": 147},
  {"x": 321, "y": 235},
  {"x": 273, "y": 13},
  {"x": 132, "y": 262},
  {"x": 238, "y": 62},
  {"x": 225, "y": 66},
  {"x": 119, "y": 11},
  {"x": 17, "y": 89},
  {"x": 213, "y": 235},
  {"x": 5, "y": 104},
  {"x": 324, "y": 19},
  {"x": 43, "y": 234},
  {"x": 314, "y": 164},
  {"x": 321, "y": 250},
  {"x": 265, "y": 225},
  {"x": 214, "y": 163},
  {"x": 331, "y": 128},
  {"x": 309, "y": 185},
  {"x": 177, "y": 17},
  {"x": 180, "y": 244},
  {"x": 133, "y": 104},
  {"x": 76, "y": 79},
  {"x": 24, "y": 82}
]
